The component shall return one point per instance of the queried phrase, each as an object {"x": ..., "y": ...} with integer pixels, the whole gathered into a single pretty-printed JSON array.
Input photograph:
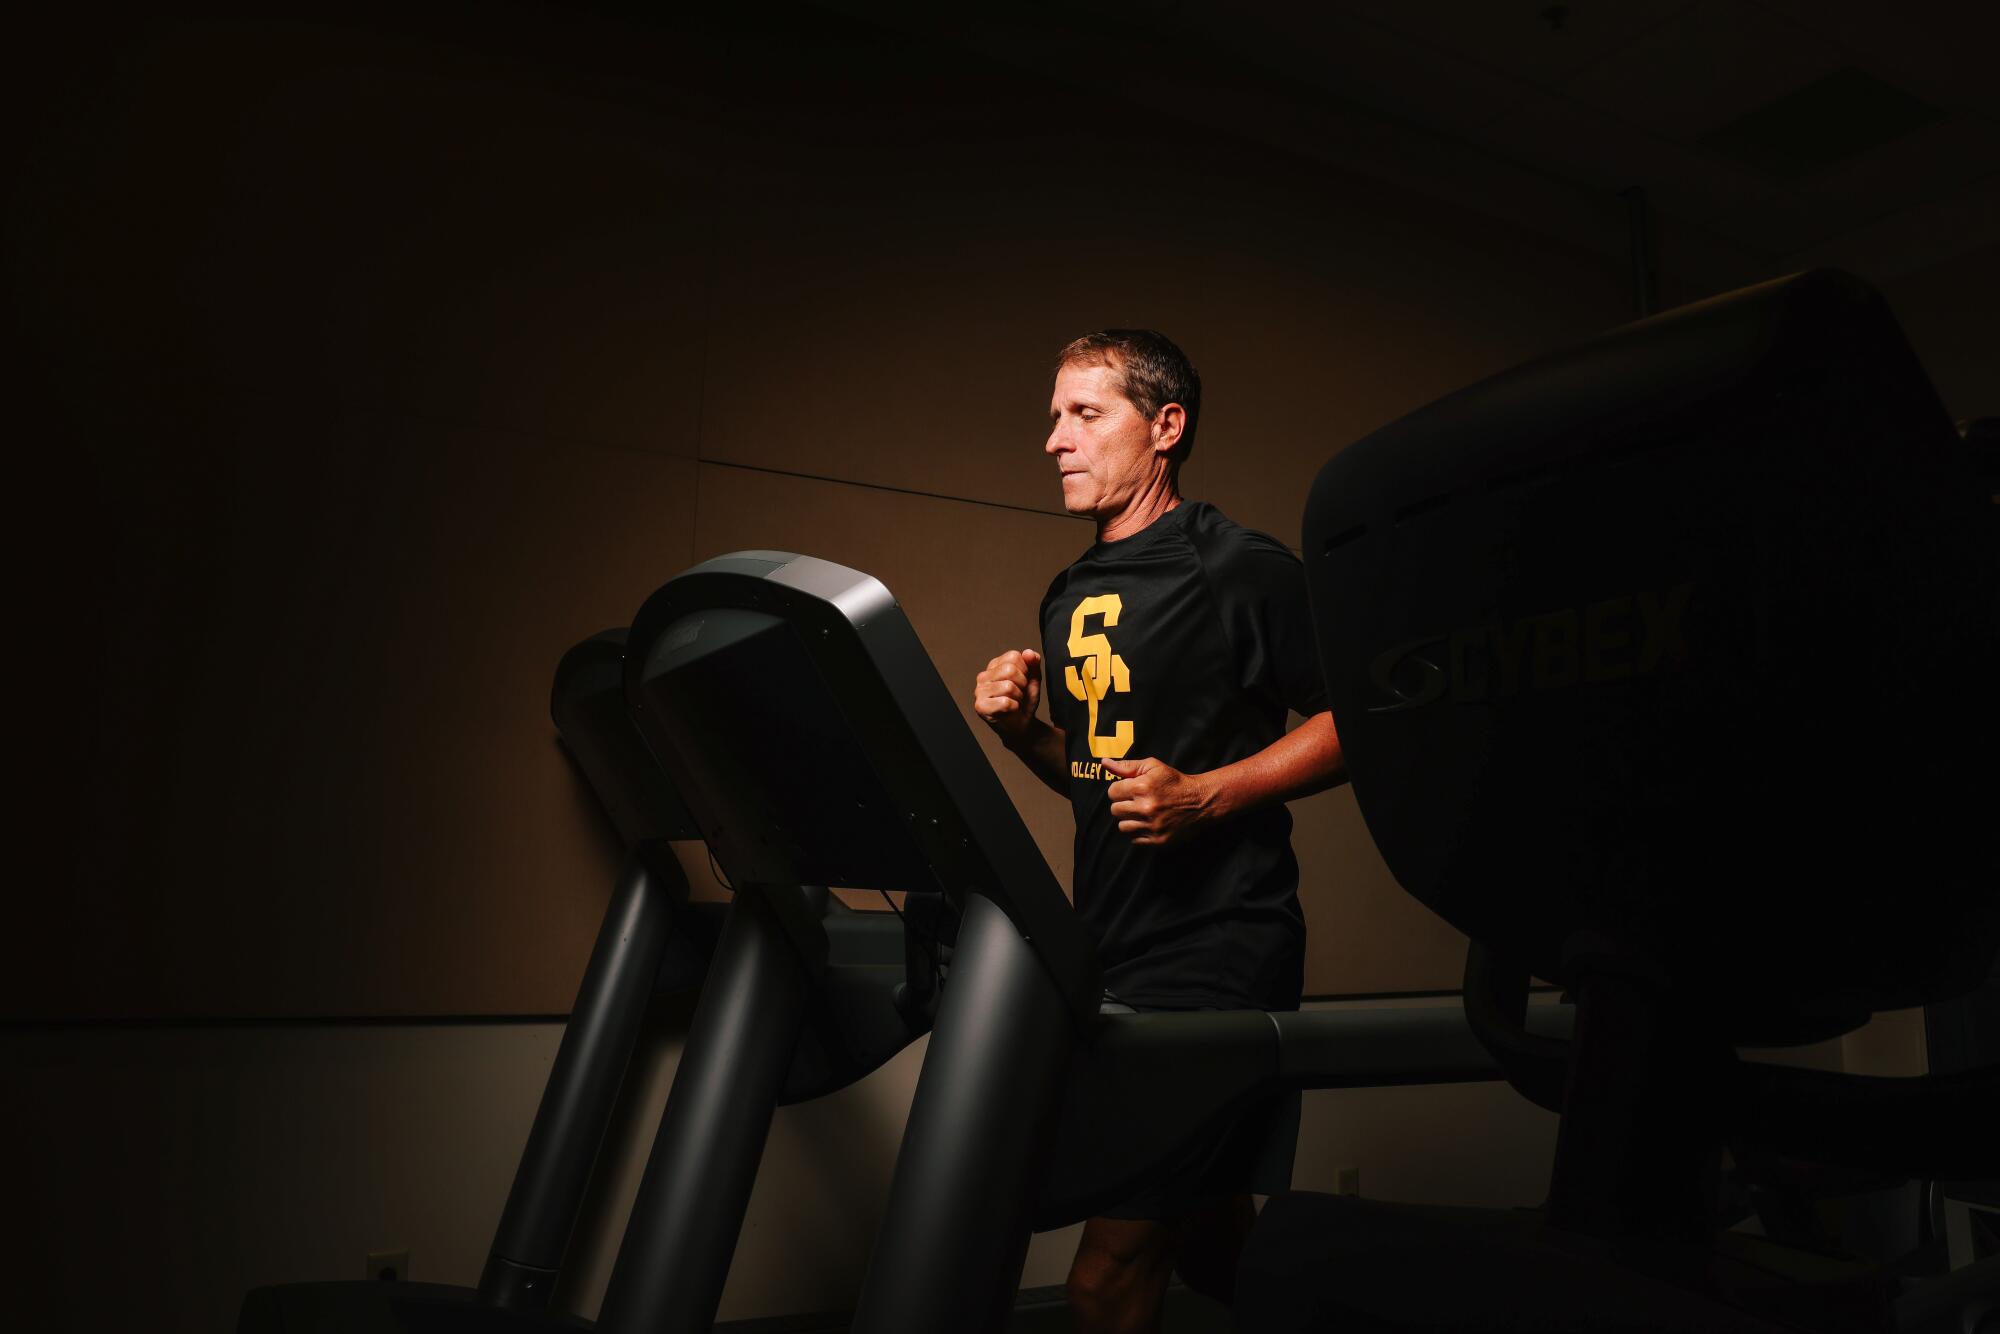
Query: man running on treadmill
[{"x": 1174, "y": 647}]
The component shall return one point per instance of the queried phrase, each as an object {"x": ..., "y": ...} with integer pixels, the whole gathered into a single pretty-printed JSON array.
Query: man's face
[{"x": 1103, "y": 446}]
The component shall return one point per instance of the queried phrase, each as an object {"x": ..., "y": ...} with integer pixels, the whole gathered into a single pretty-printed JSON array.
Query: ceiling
[{"x": 1792, "y": 131}]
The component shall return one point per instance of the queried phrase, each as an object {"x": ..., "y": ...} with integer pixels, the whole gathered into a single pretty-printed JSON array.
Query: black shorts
[{"x": 1251, "y": 1154}]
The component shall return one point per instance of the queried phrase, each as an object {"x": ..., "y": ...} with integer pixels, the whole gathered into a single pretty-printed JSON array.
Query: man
[{"x": 1175, "y": 646}]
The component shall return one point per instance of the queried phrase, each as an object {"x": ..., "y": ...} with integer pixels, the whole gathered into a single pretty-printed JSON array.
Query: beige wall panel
[
  {"x": 1891, "y": 1044},
  {"x": 345, "y": 218},
  {"x": 890, "y": 317},
  {"x": 1364, "y": 935},
  {"x": 1476, "y": 1145},
  {"x": 175, "y": 1168},
  {"x": 330, "y": 784},
  {"x": 970, "y": 577}
]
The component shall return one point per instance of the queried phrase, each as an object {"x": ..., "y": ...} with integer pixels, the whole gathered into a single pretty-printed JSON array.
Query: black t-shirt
[{"x": 1186, "y": 643}]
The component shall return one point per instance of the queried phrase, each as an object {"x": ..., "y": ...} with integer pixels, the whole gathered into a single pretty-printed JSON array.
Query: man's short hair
[{"x": 1152, "y": 372}]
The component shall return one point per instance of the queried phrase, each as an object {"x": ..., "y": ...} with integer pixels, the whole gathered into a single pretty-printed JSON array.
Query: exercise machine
[
  {"x": 1663, "y": 670},
  {"x": 789, "y": 699}
]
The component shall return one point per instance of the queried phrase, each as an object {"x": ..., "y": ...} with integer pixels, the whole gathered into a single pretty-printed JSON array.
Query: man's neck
[{"x": 1140, "y": 515}]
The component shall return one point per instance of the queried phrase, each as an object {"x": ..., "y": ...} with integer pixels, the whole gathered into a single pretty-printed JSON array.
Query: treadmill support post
[
  {"x": 955, "y": 1233},
  {"x": 583, "y": 1087},
  {"x": 697, "y": 1182}
]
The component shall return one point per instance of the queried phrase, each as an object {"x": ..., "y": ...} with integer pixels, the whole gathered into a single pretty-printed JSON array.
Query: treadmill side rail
[
  {"x": 583, "y": 1085},
  {"x": 955, "y": 1233},
  {"x": 675, "y": 1255}
]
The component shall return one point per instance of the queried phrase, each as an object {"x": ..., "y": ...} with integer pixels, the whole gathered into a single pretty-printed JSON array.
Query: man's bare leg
[
  {"x": 1119, "y": 1276},
  {"x": 1118, "y": 1281}
]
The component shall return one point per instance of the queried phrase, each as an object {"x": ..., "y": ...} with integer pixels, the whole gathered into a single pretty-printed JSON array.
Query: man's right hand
[{"x": 1007, "y": 694}]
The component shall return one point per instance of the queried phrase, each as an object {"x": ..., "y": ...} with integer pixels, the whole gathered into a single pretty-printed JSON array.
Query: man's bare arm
[
  {"x": 1158, "y": 805},
  {"x": 1305, "y": 760},
  {"x": 1005, "y": 696},
  {"x": 1045, "y": 752}
]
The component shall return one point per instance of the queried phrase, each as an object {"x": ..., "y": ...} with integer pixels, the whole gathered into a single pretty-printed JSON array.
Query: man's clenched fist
[
  {"x": 1157, "y": 804},
  {"x": 1007, "y": 694}
]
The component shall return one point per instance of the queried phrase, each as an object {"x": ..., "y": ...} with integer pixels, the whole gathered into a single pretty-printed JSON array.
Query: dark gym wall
[
  {"x": 1947, "y": 308},
  {"x": 384, "y": 359}
]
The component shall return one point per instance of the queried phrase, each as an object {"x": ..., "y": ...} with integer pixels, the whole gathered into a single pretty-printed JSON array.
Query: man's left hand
[{"x": 1158, "y": 804}]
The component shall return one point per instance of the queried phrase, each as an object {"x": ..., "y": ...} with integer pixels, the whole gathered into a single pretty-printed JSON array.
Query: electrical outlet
[
  {"x": 389, "y": 1266},
  {"x": 1347, "y": 1181}
]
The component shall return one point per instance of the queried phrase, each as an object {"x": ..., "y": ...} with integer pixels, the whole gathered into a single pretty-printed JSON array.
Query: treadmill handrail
[{"x": 846, "y": 619}]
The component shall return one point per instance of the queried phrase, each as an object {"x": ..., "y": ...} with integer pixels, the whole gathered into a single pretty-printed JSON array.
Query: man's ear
[{"x": 1167, "y": 427}]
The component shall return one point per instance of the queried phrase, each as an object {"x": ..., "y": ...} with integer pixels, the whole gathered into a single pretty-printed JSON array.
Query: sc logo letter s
[{"x": 1102, "y": 671}]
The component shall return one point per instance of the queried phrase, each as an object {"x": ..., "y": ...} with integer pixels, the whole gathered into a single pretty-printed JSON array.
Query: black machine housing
[
  {"x": 1679, "y": 645},
  {"x": 1659, "y": 666}
]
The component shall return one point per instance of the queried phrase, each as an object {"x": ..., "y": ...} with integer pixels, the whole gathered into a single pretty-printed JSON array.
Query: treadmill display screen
[{"x": 768, "y": 760}]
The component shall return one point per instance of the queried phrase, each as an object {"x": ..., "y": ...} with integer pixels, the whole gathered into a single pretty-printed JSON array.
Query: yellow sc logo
[{"x": 1102, "y": 671}]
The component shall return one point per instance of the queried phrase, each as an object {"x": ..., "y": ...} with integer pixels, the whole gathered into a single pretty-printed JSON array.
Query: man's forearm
[
  {"x": 1305, "y": 760},
  {"x": 1045, "y": 752}
]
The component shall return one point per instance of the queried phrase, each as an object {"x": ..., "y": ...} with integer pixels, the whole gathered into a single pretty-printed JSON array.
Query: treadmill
[
  {"x": 790, "y": 700},
  {"x": 790, "y": 705}
]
